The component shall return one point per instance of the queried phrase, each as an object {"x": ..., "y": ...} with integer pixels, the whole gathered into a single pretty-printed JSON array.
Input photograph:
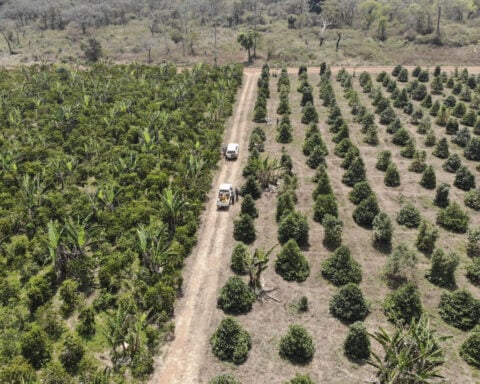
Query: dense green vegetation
[{"x": 103, "y": 175}]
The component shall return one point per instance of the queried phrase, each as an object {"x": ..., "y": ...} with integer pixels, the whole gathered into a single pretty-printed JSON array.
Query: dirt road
[{"x": 181, "y": 360}]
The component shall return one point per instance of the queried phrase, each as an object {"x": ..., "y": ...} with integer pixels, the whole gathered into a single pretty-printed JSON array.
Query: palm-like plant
[
  {"x": 255, "y": 267},
  {"x": 173, "y": 204},
  {"x": 412, "y": 354},
  {"x": 156, "y": 250}
]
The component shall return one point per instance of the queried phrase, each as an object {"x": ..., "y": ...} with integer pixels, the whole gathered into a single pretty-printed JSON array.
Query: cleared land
[{"x": 189, "y": 358}]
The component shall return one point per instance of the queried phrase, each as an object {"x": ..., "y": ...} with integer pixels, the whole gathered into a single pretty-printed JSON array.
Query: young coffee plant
[
  {"x": 453, "y": 218},
  {"x": 333, "y": 228},
  {"x": 382, "y": 231},
  {"x": 472, "y": 199},
  {"x": 383, "y": 160},
  {"x": 293, "y": 225},
  {"x": 392, "y": 176},
  {"x": 441, "y": 196},
  {"x": 324, "y": 205},
  {"x": 230, "y": 342},
  {"x": 473, "y": 243},
  {"x": 409, "y": 216},
  {"x": 470, "y": 349},
  {"x": 357, "y": 343},
  {"x": 291, "y": 264},
  {"x": 244, "y": 229},
  {"x": 404, "y": 304},
  {"x": 341, "y": 268},
  {"x": 236, "y": 296},
  {"x": 366, "y": 211},
  {"x": 297, "y": 345},
  {"x": 400, "y": 265},
  {"x": 428, "y": 180},
  {"x": 348, "y": 304},
  {"x": 240, "y": 258},
  {"x": 442, "y": 271},
  {"x": 464, "y": 179},
  {"x": 452, "y": 164},
  {"x": 224, "y": 378},
  {"x": 426, "y": 238},
  {"x": 459, "y": 309},
  {"x": 360, "y": 192}
]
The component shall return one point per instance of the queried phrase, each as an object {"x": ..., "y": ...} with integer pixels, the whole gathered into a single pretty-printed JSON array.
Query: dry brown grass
[
  {"x": 269, "y": 320},
  {"x": 278, "y": 44}
]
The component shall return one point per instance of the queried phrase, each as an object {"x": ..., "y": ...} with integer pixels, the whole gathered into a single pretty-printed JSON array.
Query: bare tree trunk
[
  {"x": 438, "y": 21},
  {"x": 339, "y": 34},
  {"x": 10, "y": 50}
]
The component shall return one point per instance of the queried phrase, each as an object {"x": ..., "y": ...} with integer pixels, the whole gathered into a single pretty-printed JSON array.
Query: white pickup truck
[
  {"x": 231, "y": 152},
  {"x": 226, "y": 196}
]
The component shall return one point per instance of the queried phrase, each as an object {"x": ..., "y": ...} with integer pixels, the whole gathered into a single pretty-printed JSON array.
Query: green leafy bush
[
  {"x": 248, "y": 207},
  {"x": 360, "y": 192},
  {"x": 464, "y": 179},
  {"x": 300, "y": 379},
  {"x": 382, "y": 230},
  {"x": 426, "y": 237},
  {"x": 341, "y": 268},
  {"x": 409, "y": 216},
  {"x": 357, "y": 343},
  {"x": 36, "y": 347},
  {"x": 230, "y": 342},
  {"x": 404, "y": 304},
  {"x": 472, "y": 150},
  {"x": 366, "y": 211},
  {"x": 324, "y": 205},
  {"x": 442, "y": 271},
  {"x": 400, "y": 265},
  {"x": 71, "y": 354},
  {"x": 236, "y": 297},
  {"x": 348, "y": 304},
  {"x": 244, "y": 229},
  {"x": 297, "y": 345},
  {"x": 383, "y": 160},
  {"x": 473, "y": 243},
  {"x": 459, "y": 309},
  {"x": 316, "y": 157},
  {"x": 251, "y": 187},
  {"x": 441, "y": 149},
  {"x": 428, "y": 180},
  {"x": 472, "y": 199},
  {"x": 224, "y": 378},
  {"x": 392, "y": 176},
  {"x": 401, "y": 137},
  {"x": 452, "y": 164},
  {"x": 86, "y": 322},
  {"x": 441, "y": 196},
  {"x": 291, "y": 264},
  {"x": 293, "y": 225},
  {"x": 355, "y": 173},
  {"x": 470, "y": 349},
  {"x": 333, "y": 228},
  {"x": 473, "y": 271},
  {"x": 285, "y": 204},
  {"x": 453, "y": 218},
  {"x": 240, "y": 258}
]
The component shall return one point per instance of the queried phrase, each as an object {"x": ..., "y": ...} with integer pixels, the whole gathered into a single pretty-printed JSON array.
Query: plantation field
[
  {"x": 104, "y": 173},
  {"x": 383, "y": 271}
]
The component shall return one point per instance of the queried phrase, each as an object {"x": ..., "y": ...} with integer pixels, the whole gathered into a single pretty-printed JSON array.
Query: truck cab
[
  {"x": 232, "y": 151},
  {"x": 226, "y": 196}
]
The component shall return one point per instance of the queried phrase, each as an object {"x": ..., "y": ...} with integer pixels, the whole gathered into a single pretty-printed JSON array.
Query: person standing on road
[{"x": 237, "y": 193}]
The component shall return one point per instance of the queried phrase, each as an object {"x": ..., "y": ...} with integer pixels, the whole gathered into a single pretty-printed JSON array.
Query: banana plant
[
  {"x": 256, "y": 265},
  {"x": 173, "y": 205},
  {"x": 156, "y": 250}
]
